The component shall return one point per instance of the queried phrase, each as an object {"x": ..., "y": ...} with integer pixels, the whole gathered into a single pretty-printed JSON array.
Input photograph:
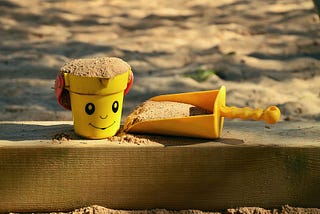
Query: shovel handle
[{"x": 270, "y": 115}]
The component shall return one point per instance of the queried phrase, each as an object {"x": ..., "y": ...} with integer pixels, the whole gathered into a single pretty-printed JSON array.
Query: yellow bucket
[{"x": 96, "y": 104}]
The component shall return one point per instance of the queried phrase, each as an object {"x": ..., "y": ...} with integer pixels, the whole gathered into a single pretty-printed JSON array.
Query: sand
[
  {"x": 241, "y": 210},
  {"x": 265, "y": 52},
  {"x": 157, "y": 110},
  {"x": 104, "y": 67}
]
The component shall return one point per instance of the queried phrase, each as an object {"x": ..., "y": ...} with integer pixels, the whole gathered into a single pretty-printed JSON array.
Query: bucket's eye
[
  {"x": 90, "y": 108},
  {"x": 115, "y": 106}
]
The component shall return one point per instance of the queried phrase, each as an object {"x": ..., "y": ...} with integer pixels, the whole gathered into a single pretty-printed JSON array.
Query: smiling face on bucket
[
  {"x": 97, "y": 116},
  {"x": 90, "y": 109}
]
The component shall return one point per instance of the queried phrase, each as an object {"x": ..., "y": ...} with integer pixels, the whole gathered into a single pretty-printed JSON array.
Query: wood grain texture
[{"x": 249, "y": 166}]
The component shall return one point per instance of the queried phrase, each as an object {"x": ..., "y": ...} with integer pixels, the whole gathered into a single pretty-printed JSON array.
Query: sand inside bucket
[
  {"x": 104, "y": 67},
  {"x": 156, "y": 110}
]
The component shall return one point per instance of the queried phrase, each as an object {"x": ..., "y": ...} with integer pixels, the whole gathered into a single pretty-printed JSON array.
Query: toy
[{"x": 202, "y": 126}]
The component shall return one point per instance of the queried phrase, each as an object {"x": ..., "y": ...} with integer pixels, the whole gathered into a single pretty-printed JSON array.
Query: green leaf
[{"x": 201, "y": 75}]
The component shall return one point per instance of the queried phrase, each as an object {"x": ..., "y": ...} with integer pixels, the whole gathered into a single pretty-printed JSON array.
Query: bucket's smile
[{"x": 102, "y": 128}]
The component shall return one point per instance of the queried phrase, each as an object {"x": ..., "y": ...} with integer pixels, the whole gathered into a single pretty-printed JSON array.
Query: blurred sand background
[{"x": 265, "y": 52}]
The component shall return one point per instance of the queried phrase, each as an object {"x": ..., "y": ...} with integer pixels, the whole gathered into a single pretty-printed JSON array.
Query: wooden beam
[{"x": 251, "y": 165}]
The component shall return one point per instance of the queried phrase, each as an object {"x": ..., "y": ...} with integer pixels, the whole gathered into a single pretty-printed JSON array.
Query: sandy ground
[
  {"x": 241, "y": 210},
  {"x": 265, "y": 52}
]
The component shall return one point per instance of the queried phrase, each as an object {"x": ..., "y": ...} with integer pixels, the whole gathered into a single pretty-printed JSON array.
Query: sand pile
[
  {"x": 156, "y": 110},
  {"x": 104, "y": 67}
]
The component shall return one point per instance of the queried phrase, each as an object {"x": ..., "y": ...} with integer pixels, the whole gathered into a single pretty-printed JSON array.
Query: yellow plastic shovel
[{"x": 202, "y": 126}]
